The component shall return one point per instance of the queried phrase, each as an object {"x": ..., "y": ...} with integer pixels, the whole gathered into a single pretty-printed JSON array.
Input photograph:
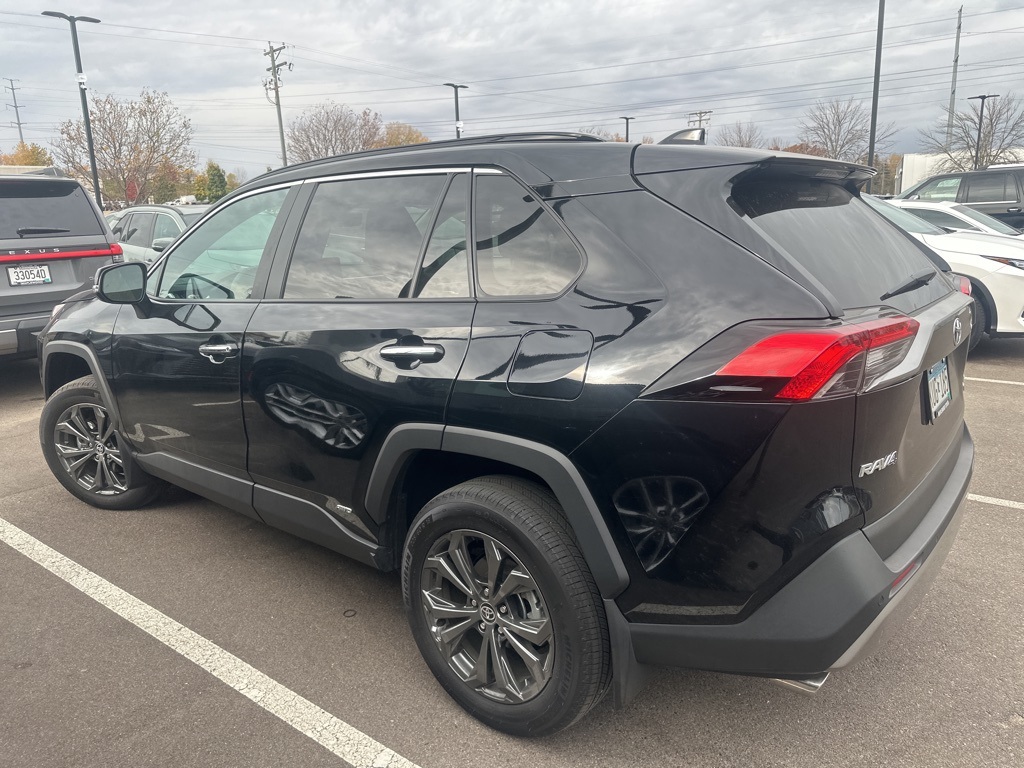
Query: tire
[
  {"x": 84, "y": 451},
  {"x": 979, "y": 323},
  {"x": 505, "y": 544}
]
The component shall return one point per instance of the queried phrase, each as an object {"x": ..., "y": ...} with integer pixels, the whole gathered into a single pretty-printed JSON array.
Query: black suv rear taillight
[{"x": 795, "y": 365}]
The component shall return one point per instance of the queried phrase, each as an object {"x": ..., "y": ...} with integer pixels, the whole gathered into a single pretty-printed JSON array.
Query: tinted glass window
[
  {"x": 940, "y": 218},
  {"x": 520, "y": 249},
  {"x": 940, "y": 189},
  {"x": 445, "y": 269},
  {"x": 989, "y": 221},
  {"x": 165, "y": 227},
  {"x": 218, "y": 259},
  {"x": 139, "y": 230},
  {"x": 361, "y": 239},
  {"x": 836, "y": 237},
  {"x": 991, "y": 188},
  {"x": 56, "y": 205}
]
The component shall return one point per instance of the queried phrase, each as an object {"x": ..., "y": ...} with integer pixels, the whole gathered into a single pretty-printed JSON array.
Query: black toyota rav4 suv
[{"x": 606, "y": 406}]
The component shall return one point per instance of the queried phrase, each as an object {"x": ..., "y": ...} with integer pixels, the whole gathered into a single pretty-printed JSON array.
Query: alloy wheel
[
  {"x": 87, "y": 449},
  {"x": 487, "y": 616}
]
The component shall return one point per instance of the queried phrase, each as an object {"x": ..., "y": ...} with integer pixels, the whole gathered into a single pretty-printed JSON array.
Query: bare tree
[
  {"x": 740, "y": 135},
  {"x": 330, "y": 129},
  {"x": 842, "y": 130},
  {"x": 607, "y": 135},
  {"x": 132, "y": 139},
  {"x": 1002, "y": 135}
]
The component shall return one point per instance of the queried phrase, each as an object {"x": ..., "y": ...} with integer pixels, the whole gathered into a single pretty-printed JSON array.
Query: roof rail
[{"x": 567, "y": 136}]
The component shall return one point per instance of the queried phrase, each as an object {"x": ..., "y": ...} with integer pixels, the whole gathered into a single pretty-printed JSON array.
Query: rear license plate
[
  {"x": 32, "y": 274},
  {"x": 939, "y": 394}
]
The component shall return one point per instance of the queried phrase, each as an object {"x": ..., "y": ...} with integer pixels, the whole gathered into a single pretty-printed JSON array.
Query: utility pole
[
  {"x": 627, "y": 119},
  {"x": 697, "y": 118},
  {"x": 874, "y": 91},
  {"x": 952, "y": 87},
  {"x": 274, "y": 83},
  {"x": 458, "y": 121},
  {"x": 981, "y": 118},
  {"x": 17, "y": 113}
]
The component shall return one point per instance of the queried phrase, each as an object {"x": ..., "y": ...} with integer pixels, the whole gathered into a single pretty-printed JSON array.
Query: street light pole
[
  {"x": 627, "y": 119},
  {"x": 80, "y": 77},
  {"x": 458, "y": 122},
  {"x": 981, "y": 117},
  {"x": 874, "y": 91}
]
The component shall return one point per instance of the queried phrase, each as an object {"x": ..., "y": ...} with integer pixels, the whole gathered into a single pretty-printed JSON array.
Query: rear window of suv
[
  {"x": 836, "y": 237},
  {"x": 45, "y": 209}
]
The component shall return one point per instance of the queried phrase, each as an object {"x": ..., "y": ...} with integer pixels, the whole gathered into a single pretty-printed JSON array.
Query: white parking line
[
  {"x": 995, "y": 381},
  {"x": 325, "y": 729},
  {"x": 997, "y": 502}
]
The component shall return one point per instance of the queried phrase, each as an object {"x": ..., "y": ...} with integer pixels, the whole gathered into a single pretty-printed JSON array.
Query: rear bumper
[
  {"x": 18, "y": 334},
  {"x": 834, "y": 612}
]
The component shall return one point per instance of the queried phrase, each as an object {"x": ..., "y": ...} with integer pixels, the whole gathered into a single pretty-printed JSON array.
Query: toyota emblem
[{"x": 958, "y": 332}]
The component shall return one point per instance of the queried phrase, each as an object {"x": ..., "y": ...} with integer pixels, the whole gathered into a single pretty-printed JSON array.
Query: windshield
[
  {"x": 905, "y": 220},
  {"x": 983, "y": 218}
]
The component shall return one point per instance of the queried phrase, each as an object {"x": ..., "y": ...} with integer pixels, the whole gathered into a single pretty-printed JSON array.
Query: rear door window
[
  {"x": 165, "y": 227},
  {"x": 991, "y": 188},
  {"x": 45, "y": 209},
  {"x": 941, "y": 218}
]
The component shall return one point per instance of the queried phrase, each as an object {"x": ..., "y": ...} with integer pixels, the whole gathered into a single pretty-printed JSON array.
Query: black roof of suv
[
  {"x": 52, "y": 240},
  {"x": 604, "y": 405}
]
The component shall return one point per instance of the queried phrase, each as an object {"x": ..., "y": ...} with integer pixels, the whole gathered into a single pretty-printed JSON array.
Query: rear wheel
[
  {"x": 503, "y": 607},
  {"x": 980, "y": 322},
  {"x": 83, "y": 450}
]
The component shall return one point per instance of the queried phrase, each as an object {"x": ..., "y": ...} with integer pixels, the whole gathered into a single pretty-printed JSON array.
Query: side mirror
[
  {"x": 122, "y": 283},
  {"x": 161, "y": 243}
]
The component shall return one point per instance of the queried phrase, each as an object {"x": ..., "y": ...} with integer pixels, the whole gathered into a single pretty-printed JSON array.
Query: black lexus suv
[
  {"x": 606, "y": 406},
  {"x": 52, "y": 240}
]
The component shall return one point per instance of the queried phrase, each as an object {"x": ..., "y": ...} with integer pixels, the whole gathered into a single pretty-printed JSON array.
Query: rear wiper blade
[
  {"x": 41, "y": 231},
  {"x": 916, "y": 280}
]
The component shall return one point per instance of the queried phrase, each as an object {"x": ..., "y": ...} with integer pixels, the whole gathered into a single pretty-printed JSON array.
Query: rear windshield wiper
[
  {"x": 41, "y": 231},
  {"x": 916, "y": 280}
]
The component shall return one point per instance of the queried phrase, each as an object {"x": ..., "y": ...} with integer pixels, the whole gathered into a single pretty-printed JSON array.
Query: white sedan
[
  {"x": 993, "y": 263},
  {"x": 956, "y": 217}
]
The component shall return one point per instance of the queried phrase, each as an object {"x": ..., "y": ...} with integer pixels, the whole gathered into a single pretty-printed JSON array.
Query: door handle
[
  {"x": 413, "y": 353},
  {"x": 1013, "y": 210},
  {"x": 213, "y": 351}
]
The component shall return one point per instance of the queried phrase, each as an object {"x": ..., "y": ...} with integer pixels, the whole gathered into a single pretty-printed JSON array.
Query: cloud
[{"x": 528, "y": 65}]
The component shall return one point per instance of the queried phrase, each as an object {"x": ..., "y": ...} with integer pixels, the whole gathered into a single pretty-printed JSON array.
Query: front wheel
[
  {"x": 82, "y": 449},
  {"x": 503, "y": 607}
]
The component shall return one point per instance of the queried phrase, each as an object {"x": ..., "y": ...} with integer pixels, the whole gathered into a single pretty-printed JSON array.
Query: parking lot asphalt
[{"x": 82, "y": 686}]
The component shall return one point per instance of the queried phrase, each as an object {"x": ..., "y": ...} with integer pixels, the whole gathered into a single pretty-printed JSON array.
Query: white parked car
[
  {"x": 993, "y": 263},
  {"x": 957, "y": 217}
]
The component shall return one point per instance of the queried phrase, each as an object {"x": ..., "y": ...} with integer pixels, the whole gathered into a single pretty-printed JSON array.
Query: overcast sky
[{"x": 529, "y": 65}]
